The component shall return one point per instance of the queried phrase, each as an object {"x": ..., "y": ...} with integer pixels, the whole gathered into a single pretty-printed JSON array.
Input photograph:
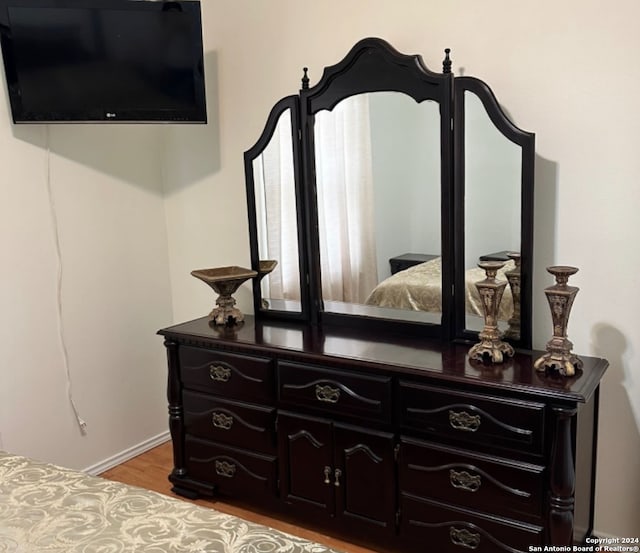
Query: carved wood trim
[
  {"x": 335, "y": 383},
  {"x": 474, "y": 409},
  {"x": 479, "y": 472},
  {"x": 227, "y": 467},
  {"x": 562, "y": 478},
  {"x": 176, "y": 415}
]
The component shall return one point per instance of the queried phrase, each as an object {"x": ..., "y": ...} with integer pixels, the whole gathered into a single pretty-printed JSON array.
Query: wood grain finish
[
  {"x": 234, "y": 376},
  {"x": 393, "y": 441},
  {"x": 327, "y": 391},
  {"x": 229, "y": 422},
  {"x": 453, "y": 530},
  {"x": 473, "y": 418},
  {"x": 150, "y": 470},
  {"x": 483, "y": 482},
  {"x": 422, "y": 357}
]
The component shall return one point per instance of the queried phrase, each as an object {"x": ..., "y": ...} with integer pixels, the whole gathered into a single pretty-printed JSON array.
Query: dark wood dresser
[{"x": 389, "y": 440}]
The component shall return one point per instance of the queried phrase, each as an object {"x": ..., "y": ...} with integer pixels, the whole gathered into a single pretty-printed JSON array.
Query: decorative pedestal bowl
[
  {"x": 265, "y": 266},
  {"x": 225, "y": 281},
  {"x": 491, "y": 347}
]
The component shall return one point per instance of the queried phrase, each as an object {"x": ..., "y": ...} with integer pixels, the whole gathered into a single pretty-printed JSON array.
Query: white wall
[
  {"x": 565, "y": 70},
  {"x": 106, "y": 188}
]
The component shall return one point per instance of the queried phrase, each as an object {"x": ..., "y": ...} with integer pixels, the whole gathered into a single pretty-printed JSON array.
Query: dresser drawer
[
  {"x": 449, "y": 530},
  {"x": 231, "y": 470},
  {"x": 235, "y": 376},
  {"x": 334, "y": 392},
  {"x": 491, "y": 484},
  {"x": 473, "y": 418},
  {"x": 242, "y": 425}
]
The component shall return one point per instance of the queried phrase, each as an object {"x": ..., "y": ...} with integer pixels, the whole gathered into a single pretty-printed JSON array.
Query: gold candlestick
[
  {"x": 514, "y": 278},
  {"x": 560, "y": 297},
  {"x": 491, "y": 290}
]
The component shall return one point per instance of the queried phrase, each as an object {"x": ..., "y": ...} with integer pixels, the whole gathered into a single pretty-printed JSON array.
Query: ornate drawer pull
[
  {"x": 327, "y": 473},
  {"x": 327, "y": 394},
  {"x": 222, "y": 421},
  {"x": 219, "y": 373},
  {"x": 464, "y": 481},
  {"x": 464, "y": 538},
  {"x": 225, "y": 469},
  {"x": 464, "y": 421},
  {"x": 337, "y": 474}
]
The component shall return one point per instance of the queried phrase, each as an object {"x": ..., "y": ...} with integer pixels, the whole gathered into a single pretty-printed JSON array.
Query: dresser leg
[
  {"x": 185, "y": 492},
  {"x": 562, "y": 479},
  {"x": 174, "y": 393}
]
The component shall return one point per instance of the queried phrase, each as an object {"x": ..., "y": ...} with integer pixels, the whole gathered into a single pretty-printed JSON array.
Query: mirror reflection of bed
[
  {"x": 418, "y": 288},
  {"x": 378, "y": 173},
  {"x": 371, "y": 185},
  {"x": 377, "y": 161}
]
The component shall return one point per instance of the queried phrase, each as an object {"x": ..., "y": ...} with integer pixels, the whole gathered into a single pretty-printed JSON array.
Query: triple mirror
[{"x": 374, "y": 194}]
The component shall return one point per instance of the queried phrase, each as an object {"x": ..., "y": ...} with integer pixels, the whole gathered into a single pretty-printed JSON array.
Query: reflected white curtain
[
  {"x": 345, "y": 201},
  {"x": 276, "y": 212}
]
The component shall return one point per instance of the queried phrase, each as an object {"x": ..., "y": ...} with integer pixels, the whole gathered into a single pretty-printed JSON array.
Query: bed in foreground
[{"x": 45, "y": 508}]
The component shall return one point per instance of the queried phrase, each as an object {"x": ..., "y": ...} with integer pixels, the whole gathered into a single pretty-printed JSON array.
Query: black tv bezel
[{"x": 20, "y": 116}]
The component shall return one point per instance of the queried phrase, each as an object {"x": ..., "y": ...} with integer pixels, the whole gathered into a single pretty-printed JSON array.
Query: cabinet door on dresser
[
  {"x": 365, "y": 477},
  {"x": 306, "y": 461},
  {"x": 339, "y": 470}
]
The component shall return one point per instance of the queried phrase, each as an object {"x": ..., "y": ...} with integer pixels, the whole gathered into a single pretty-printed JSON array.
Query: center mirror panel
[
  {"x": 378, "y": 180},
  {"x": 376, "y": 141}
]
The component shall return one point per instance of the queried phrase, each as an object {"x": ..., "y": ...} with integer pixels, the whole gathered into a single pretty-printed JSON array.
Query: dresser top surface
[{"x": 347, "y": 347}]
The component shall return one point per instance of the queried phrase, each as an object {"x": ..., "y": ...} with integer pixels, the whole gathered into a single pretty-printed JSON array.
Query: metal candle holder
[
  {"x": 514, "y": 278},
  {"x": 560, "y": 297},
  {"x": 491, "y": 290}
]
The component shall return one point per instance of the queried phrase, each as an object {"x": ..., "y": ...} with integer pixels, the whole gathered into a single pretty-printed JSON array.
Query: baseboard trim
[{"x": 127, "y": 454}]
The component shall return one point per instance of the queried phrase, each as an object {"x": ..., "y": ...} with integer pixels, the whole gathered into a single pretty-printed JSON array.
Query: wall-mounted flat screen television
[{"x": 103, "y": 60}]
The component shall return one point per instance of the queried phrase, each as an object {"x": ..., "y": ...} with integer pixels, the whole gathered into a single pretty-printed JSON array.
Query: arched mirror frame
[
  {"x": 526, "y": 141},
  {"x": 291, "y": 104},
  {"x": 373, "y": 65}
]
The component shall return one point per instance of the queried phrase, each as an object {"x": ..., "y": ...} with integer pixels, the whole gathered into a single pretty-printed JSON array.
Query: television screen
[{"x": 103, "y": 60}]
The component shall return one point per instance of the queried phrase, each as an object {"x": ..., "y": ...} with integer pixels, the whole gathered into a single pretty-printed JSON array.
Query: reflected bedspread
[{"x": 419, "y": 288}]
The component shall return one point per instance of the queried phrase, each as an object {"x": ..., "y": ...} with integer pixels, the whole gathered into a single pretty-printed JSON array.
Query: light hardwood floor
[{"x": 150, "y": 471}]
